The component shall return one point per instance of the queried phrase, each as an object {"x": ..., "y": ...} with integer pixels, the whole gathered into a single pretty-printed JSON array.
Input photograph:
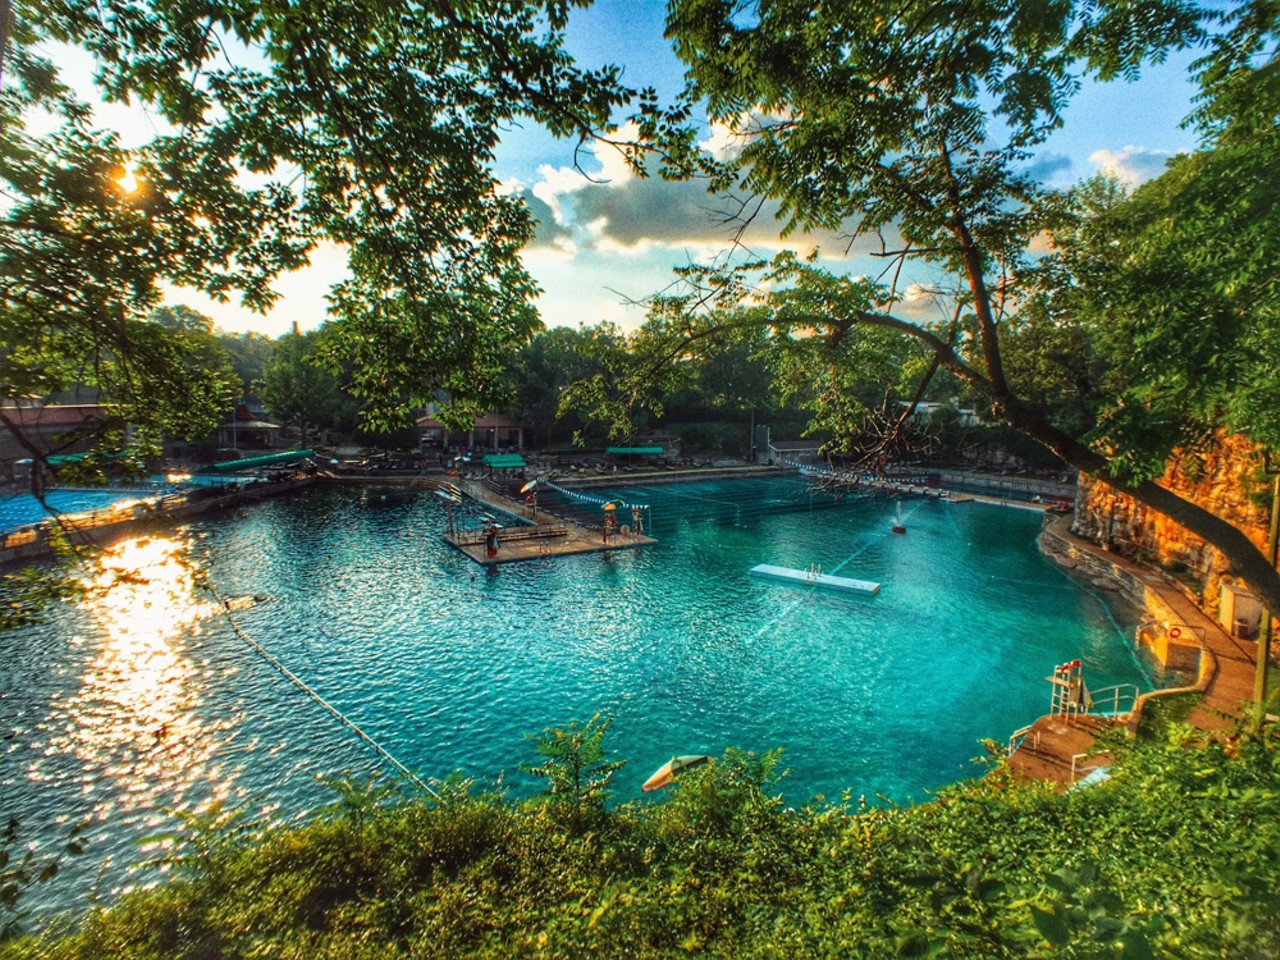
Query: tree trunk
[{"x": 6, "y": 20}]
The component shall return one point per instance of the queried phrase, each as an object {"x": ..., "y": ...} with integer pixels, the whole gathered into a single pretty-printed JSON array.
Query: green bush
[{"x": 1176, "y": 855}]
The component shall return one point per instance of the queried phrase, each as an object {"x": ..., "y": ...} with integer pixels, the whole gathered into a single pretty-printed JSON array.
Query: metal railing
[
  {"x": 544, "y": 531},
  {"x": 1021, "y": 734},
  {"x": 1128, "y": 692}
]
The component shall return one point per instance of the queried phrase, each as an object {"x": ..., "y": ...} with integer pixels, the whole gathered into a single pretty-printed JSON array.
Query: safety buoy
[
  {"x": 1175, "y": 633},
  {"x": 528, "y": 501}
]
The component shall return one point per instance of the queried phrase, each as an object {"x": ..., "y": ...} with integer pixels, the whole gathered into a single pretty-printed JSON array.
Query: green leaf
[
  {"x": 1135, "y": 947},
  {"x": 1050, "y": 925}
]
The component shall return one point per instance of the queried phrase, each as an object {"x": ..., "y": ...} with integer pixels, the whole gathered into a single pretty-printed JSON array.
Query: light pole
[{"x": 1264, "y": 631}]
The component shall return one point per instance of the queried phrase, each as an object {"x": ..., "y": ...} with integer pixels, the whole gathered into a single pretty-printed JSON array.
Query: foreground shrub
[{"x": 1177, "y": 855}]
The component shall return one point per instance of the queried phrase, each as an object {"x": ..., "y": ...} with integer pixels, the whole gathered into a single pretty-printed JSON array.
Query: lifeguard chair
[{"x": 1069, "y": 697}]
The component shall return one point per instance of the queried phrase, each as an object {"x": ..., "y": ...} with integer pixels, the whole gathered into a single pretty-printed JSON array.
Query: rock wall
[{"x": 1226, "y": 478}]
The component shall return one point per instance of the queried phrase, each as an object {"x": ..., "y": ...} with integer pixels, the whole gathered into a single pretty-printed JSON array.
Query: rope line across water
[{"x": 302, "y": 685}]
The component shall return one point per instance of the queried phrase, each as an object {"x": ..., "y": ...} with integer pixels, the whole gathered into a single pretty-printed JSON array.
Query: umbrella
[{"x": 666, "y": 773}]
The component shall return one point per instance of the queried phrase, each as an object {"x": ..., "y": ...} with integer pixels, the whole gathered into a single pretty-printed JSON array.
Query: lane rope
[{"x": 306, "y": 688}]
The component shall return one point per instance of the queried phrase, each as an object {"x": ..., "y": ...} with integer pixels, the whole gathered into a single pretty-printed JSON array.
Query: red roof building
[
  {"x": 48, "y": 426},
  {"x": 492, "y": 431}
]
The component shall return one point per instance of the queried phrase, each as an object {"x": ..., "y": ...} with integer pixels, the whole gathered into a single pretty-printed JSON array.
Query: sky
[{"x": 602, "y": 246}]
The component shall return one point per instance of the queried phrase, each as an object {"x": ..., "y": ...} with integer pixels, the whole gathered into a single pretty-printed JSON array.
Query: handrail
[
  {"x": 1114, "y": 693},
  {"x": 1020, "y": 735},
  {"x": 509, "y": 534}
]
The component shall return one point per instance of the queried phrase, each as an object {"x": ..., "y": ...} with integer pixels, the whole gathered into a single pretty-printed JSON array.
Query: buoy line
[{"x": 337, "y": 714}]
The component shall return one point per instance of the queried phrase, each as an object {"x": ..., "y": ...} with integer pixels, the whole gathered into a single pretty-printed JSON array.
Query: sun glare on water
[{"x": 134, "y": 722}]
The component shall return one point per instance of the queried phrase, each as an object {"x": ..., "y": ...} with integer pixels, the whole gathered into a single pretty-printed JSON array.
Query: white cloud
[
  {"x": 509, "y": 187},
  {"x": 918, "y": 293},
  {"x": 302, "y": 297},
  {"x": 557, "y": 182},
  {"x": 727, "y": 140},
  {"x": 613, "y": 164},
  {"x": 638, "y": 248},
  {"x": 1130, "y": 165}
]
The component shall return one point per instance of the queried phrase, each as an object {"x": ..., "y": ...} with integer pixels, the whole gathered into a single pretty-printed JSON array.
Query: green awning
[
  {"x": 634, "y": 451},
  {"x": 252, "y": 463},
  {"x": 505, "y": 461},
  {"x": 60, "y": 458}
]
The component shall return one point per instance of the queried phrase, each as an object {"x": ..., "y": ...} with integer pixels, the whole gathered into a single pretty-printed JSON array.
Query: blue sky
[{"x": 601, "y": 245}]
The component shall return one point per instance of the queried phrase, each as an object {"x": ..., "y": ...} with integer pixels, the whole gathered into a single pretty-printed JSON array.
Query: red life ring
[
  {"x": 1175, "y": 633},
  {"x": 528, "y": 501}
]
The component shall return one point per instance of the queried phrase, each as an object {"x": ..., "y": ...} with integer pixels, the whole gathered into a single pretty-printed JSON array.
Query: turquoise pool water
[{"x": 142, "y": 702}]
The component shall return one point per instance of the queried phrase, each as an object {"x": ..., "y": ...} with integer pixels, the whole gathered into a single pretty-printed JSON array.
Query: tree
[
  {"x": 248, "y": 353},
  {"x": 915, "y": 122},
  {"x": 549, "y": 363},
  {"x": 368, "y": 123},
  {"x": 295, "y": 388},
  {"x": 577, "y": 775}
]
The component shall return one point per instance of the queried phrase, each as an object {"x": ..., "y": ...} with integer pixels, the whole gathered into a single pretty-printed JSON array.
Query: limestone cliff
[{"x": 1226, "y": 477}]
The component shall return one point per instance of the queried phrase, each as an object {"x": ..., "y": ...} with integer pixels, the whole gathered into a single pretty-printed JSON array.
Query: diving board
[{"x": 815, "y": 578}]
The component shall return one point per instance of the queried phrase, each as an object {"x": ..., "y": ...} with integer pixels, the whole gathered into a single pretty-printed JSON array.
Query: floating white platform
[{"x": 813, "y": 578}]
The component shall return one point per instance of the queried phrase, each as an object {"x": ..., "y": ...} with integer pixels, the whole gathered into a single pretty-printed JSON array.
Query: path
[{"x": 1225, "y": 675}]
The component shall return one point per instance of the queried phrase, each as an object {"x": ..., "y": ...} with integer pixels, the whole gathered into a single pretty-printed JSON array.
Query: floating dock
[
  {"x": 815, "y": 578},
  {"x": 545, "y": 536}
]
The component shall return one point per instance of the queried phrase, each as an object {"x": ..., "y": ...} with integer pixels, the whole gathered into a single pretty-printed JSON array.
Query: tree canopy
[
  {"x": 915, "y": 123},
  {"x": 368, "y": 124},
  {"x": 295, "y": 388}
]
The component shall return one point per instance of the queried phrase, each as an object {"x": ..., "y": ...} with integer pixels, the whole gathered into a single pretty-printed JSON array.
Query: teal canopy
[
  {"x": 505, "y": 461},
  {"x": 60, "y": 458},
  {"x": 252, "y": 463},
  {"x": 634, "y": 451}
]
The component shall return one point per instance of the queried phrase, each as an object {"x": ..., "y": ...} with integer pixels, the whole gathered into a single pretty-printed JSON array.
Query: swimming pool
[
  {"x": 20, "y": 510},
  {"x": 143, "y": 701}
]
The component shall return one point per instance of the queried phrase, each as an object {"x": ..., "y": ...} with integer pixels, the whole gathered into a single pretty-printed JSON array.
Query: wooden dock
[
  {"x": 547, "y": 535},
  {"x": 1059, "y": 750}
]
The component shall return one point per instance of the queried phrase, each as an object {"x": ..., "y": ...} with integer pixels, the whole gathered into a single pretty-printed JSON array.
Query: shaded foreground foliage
[{"x": 1176, "y": 855}]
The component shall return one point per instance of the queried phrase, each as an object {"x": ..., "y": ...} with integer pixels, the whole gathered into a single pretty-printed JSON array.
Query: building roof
[
  {"x": 250, "y": 425},
  {"x": 488, "y": 421},
  {"x": 505, "y": 461},
  {"x": 56, "y": 415},
  {"x": 252, "y": 463}
]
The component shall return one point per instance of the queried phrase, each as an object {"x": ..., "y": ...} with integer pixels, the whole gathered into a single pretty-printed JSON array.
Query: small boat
[
  {"x": 899, "y": 528},
  {"x": 666, "y": 773}
]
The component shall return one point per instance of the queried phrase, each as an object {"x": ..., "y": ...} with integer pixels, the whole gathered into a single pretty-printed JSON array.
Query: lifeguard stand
[{"x": 1069, "y": 697}]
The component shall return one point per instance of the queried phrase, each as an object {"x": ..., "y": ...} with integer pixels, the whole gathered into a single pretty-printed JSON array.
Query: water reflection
[{"x": 132, "y": 725}]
